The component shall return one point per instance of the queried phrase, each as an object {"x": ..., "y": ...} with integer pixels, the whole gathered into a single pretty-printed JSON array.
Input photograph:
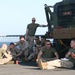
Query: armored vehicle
[{"x": 61, "y": 24}]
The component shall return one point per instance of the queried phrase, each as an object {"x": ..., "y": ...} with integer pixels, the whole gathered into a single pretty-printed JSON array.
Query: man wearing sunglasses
[
  {"x": 48, "y": 57},
  {"x": 30, "y": 32}
]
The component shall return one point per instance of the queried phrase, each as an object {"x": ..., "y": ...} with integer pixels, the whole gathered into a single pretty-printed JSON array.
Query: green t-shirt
[
  {"x": 2, "y": 51},
  {"x": 72, "y": 56},
  {"x": 48, "y": 53},
  {"x": 32, "y": 29}
]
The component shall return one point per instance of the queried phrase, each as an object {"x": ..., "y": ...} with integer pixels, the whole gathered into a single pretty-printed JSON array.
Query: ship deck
[{"x": 31, "y": 68}]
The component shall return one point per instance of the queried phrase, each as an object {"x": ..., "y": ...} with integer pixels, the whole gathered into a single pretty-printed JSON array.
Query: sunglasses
[
  {"x": 48, "y": 44},
  {"x": 33, "y": 20}
]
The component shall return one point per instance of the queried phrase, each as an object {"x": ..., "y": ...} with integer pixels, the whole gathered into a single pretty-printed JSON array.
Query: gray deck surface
[{"x": 32, "y": 69}]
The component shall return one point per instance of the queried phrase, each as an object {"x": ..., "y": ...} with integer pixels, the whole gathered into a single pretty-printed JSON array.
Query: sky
[{"x": 15, "y": 15}]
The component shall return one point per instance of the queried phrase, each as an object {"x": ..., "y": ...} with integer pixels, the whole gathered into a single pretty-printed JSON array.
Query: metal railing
[{"x": 8, "y": 38}]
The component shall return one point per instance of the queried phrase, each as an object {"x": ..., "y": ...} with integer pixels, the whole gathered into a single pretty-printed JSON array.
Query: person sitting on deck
[
  {"x": 46, "y": 54},
  {"x": 71, "y": 53},
  {"x": 4, "y": 56},
  {"x": 23, "y": 46},
  {"x": 15, "y": 52},
  {"x": 36, "y": 48}
]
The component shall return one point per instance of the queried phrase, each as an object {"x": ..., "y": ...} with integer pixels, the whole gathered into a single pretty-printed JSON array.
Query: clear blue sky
[{"x": 16, "y": 14}]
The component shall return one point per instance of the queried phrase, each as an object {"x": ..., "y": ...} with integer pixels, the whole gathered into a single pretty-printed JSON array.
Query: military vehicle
[{"x": 61, "y": 24}]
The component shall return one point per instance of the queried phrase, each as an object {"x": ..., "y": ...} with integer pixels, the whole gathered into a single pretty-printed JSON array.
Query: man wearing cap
[{"x": 30, "y": 32}]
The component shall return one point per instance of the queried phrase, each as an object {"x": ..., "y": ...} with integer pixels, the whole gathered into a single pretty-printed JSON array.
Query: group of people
[
  {"x": 30, "y": 47},
  {"x": 48, "y": 57},
  {"x": 24, "y": 47},
  {"x": 14, "y": 50}
]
